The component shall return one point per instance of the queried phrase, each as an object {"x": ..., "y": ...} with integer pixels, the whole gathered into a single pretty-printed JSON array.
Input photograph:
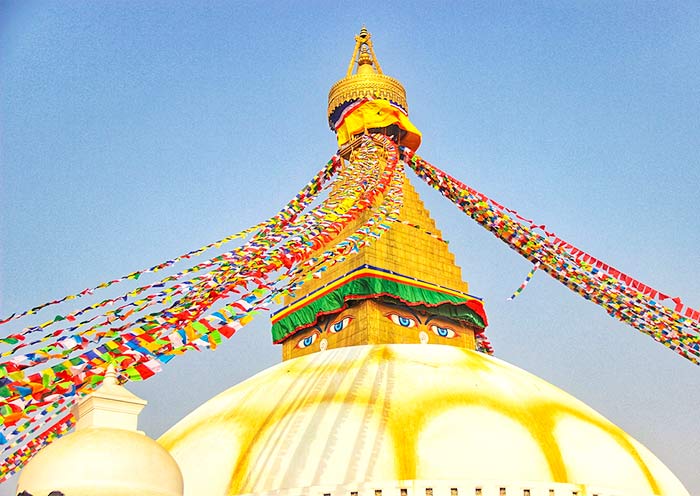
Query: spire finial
[
  {"x": 111, "y": 376},
  {"x": 367, "y": 82},
  {"x": 363, "y": 47},
  {"x": 110, "y": 405},
  {"x": 364, "y": 33}
]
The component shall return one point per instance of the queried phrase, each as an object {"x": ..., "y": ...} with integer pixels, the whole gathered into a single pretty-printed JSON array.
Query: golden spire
[
  {"x": 368, "y": 80},
  {"x": 406, "y": 277},
  {"x": 363, "y": 44}
]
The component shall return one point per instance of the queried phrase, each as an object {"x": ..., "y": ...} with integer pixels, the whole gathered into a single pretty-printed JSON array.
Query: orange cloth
[{"x": 368, "y": 114}]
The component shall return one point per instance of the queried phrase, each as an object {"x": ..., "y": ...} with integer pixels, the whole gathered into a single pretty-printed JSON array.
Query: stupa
[
  {"x": 106, "y": 455},
  {"x": 383, "y": 389}
]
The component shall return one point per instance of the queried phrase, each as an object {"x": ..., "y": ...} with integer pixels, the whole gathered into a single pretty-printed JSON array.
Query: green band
[{"x": 436, "y": 302}]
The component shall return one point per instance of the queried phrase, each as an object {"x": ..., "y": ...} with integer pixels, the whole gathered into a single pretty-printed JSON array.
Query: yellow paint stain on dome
[
  {"x": 583, "y": 439},
  {"x": 666, "y": 481},
  {"x": 337, "y": 411},
  {"x": 275, "y": 417},
  {"x": 433, "y": 402}
]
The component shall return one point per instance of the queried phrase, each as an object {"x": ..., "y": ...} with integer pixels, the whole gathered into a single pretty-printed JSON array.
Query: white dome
[
  {"x": 412, "y": 417},
  {"x": 100, "y": 461}
]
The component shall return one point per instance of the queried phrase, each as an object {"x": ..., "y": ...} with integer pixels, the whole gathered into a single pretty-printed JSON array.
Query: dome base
[
  {"x": 347, "y": 417},
  {"x": 447, "y": 488}
]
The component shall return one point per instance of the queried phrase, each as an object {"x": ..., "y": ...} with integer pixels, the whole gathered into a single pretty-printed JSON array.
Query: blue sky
[{"x": 132, "y": 132}]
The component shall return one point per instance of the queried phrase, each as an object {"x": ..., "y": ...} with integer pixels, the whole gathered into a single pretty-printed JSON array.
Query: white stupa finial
[
  {"x": 111, "y": 405},
  {"x": 111, "y": 376}
]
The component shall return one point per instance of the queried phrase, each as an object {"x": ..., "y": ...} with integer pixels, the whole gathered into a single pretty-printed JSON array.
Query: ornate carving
[
  {"x": 364, "y": 85},
  {"x": 368, "y": 81}
]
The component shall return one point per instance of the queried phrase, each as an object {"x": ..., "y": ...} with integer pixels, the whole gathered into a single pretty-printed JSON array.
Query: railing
[{"x": 448, "y": 488}]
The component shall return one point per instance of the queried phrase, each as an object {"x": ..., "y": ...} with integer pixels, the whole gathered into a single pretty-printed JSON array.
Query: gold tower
[{"x": 412, "y": 251}]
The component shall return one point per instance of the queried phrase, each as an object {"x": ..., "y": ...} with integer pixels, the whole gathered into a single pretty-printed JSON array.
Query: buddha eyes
[
  {"x": 340, "y": 325},
  {"x": 401, "y": 320},
  {"x": 398, "y": 319},
  {"x": 333, "y": 328},
  {"x": 443, "y": 332},
  {"x": 308, "y": 340},
  {"x": 408, "y": 322}
]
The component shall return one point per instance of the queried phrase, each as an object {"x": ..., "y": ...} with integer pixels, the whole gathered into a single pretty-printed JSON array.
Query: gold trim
[
  {"x": 368, "y": 80},
  {"x": 365, "y": 85}
]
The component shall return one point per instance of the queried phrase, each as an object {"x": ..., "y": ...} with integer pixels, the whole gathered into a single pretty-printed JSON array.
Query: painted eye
[
  {"x": 308, "y": 340},
  {"x": 340, "y": 325},
  {"x": 401, "y": 320},
  {"x": 443, "y": 332}
]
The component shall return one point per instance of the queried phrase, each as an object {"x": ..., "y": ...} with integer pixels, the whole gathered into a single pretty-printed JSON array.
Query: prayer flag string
[
  {"x": 517, "y": 292},
  {"x": 41, "y": 378},
  {"x": 297, "y": 204},
  {"x": 202, "y": 305},
  {"x": 623, "y": 297}
]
